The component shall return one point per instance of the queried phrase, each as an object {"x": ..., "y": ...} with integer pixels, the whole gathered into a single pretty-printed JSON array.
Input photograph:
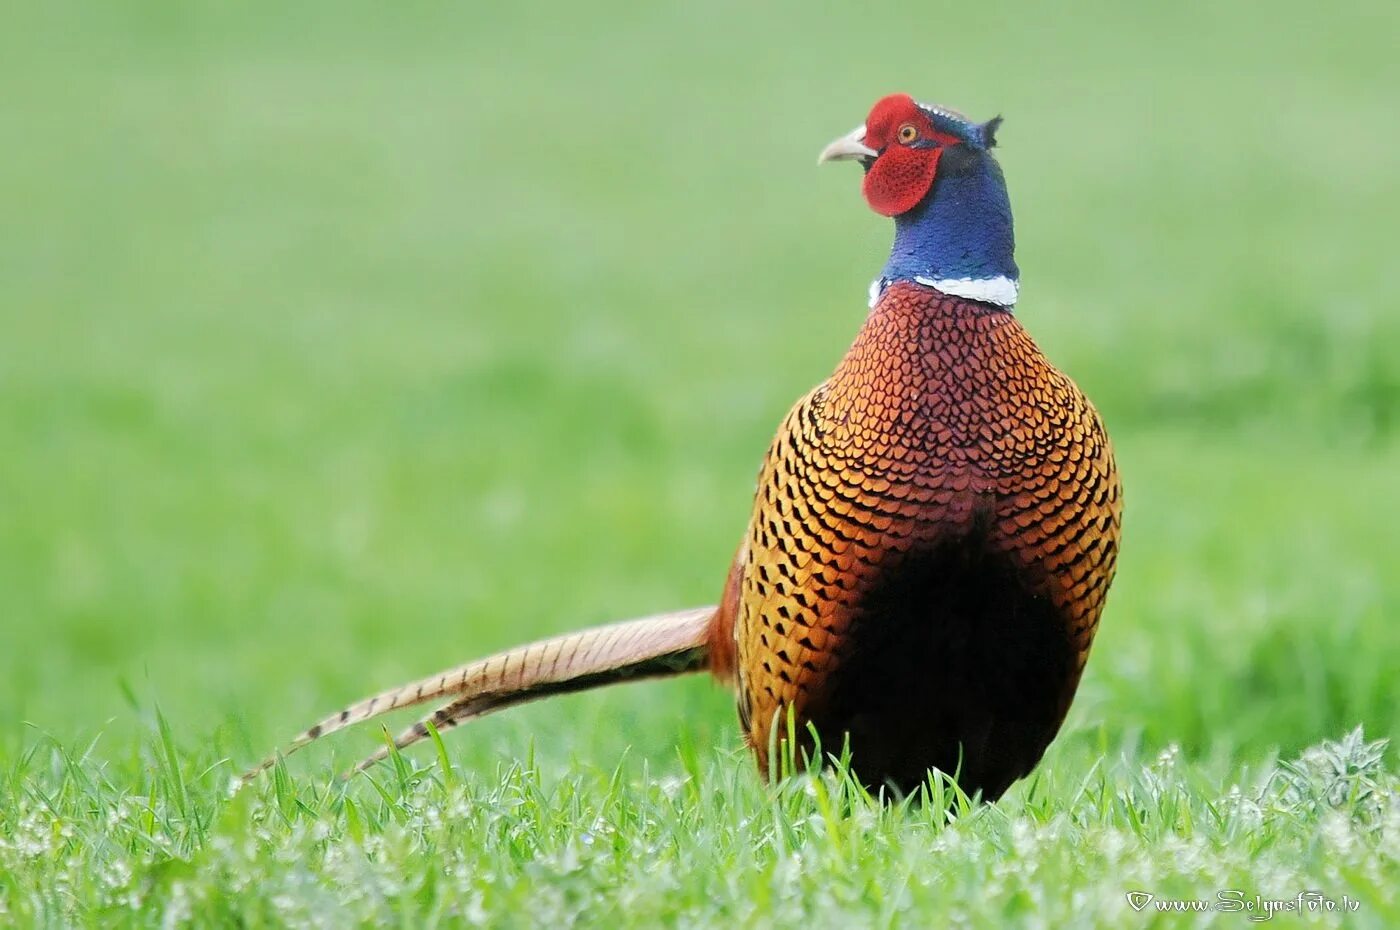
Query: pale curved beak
[{"x": 852, "y": 145}]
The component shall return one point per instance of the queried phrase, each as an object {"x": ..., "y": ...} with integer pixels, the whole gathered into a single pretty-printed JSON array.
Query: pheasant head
[{"x": 931, "y": 169}]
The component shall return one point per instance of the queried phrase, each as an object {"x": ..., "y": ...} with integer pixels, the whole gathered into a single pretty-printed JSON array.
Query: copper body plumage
[{"x": 935, "y": 529}]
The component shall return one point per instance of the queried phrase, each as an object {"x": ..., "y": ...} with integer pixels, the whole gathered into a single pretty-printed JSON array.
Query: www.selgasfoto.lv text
[{"x": 1254, "y": 906}]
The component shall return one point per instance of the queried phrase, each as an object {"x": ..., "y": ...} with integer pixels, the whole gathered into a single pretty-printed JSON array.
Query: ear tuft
[{"x": 988, "y": 132}]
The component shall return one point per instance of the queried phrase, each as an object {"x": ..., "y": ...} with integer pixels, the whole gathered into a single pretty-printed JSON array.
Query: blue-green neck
[{"x": 959, "y": 238}]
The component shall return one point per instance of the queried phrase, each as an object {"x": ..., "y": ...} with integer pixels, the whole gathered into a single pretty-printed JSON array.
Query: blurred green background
[{"x": 343, "y": 341}]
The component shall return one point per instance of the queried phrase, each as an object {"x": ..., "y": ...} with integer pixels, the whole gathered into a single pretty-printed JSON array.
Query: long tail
[{"x": 665, "y": 644}]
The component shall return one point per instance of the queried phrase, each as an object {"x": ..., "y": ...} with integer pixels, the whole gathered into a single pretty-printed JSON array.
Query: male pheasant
[{"x": 935, "y": 528}]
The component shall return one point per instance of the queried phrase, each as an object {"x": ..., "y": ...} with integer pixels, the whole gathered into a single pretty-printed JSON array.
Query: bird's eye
[{"x": 908, "y": 133}]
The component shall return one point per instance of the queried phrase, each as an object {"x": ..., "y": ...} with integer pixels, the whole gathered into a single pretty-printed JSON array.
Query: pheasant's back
[{"x": 934, "y": 533}]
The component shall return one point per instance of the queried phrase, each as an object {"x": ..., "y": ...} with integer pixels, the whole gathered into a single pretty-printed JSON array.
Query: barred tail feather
[{"x": 665, "y": 644}]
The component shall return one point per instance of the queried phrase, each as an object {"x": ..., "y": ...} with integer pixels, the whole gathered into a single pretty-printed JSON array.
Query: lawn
[{"x": 341, "y": 342}]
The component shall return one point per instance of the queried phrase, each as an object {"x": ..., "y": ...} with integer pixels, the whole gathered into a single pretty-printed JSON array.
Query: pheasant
[{"x": 935, "y": 527}]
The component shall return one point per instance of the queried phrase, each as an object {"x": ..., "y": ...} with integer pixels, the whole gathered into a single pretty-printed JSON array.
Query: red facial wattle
[
  {"x": 899, "y": 179},
  {"x": 909, "y": 147}
]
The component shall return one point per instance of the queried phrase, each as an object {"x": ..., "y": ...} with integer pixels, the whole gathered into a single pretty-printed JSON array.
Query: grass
[
  {"x": 339, "y": 343},
  {"x": 695, "y": 842}
]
